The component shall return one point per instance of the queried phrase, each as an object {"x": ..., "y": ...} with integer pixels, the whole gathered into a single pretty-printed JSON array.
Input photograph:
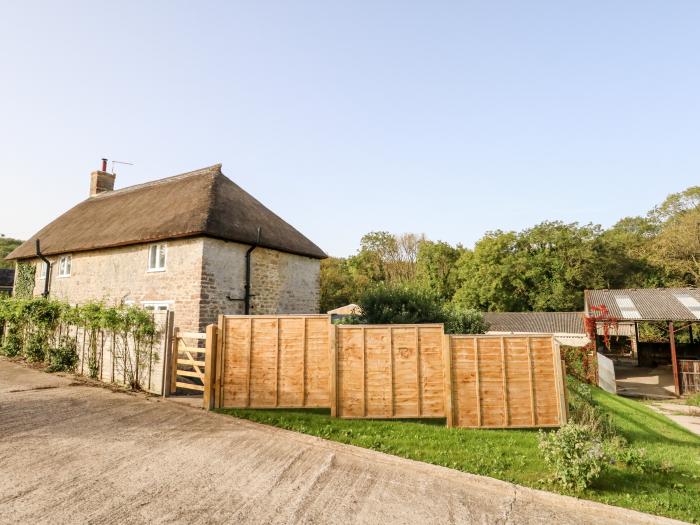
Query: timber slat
[
  {"x": 187, "y": 373},
  {"x": 189, "y": 386},
  {"x": 190, "y": 362}
]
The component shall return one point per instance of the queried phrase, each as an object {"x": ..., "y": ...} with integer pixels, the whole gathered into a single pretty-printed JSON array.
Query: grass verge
[{"x": 671, "y": 488}]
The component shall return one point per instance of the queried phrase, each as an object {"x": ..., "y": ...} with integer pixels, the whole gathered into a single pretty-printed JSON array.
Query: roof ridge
[{"x": 213, "y": 169}]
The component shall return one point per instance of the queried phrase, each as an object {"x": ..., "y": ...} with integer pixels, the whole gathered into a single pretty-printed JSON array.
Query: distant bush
[
  {"x": 575, "y": 453},
  {"x": 461, "y": 320},
  {"x": 392, "y": 304}
]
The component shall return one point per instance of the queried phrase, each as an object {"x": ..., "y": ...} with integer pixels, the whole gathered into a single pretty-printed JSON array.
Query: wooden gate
[{"x": 192, "y": 362}]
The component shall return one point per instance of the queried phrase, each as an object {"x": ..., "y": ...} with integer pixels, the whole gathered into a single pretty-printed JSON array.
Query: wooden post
[
  {"x": 477, "y": 384},
  {"x": 218, "y": 390},
  {"x": 210, "y": 367},
  {"x": 566, "y": 391},
  {"x": 250, "y": 359},
  {"x": 674, "y": 360},
  {"x": 447, "y": 378},
  {"x": 391, "y": 369},
  {"x": 304, "y": 342},
  {"x": 364, "y": 371},
  {"x": 419, "y": 379},
  {"x": 533, "y": 405},
  {"x": 560, "y": 381},
  {"x": 277, "y": 363},
  {"x": 333, "y": 349},
  {"x": 506, "y": 419},
  {"x": 167, "y": 355},
  {"x": 174, "y": 351}
]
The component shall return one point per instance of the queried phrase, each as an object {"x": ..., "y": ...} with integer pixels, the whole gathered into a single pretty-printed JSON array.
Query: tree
[
  {"x": 7, "y": 244},
  {"x": 436, "y": 268},
  {"x": 338, "y": 286},
  {"x": 676, "y": 249}
]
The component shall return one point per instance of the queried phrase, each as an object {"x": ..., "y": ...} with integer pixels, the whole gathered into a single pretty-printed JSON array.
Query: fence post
[
  {"x": 167, "y": 357},
  {"x": 210, "y": 367},
  {"x": 333, "y": 349},
  {"x": 219, "y": 363},
  {"x": 174, "y": 352},
  {"x": 447, "y": 376}
]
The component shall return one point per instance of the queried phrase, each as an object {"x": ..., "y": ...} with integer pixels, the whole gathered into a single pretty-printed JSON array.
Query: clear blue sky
[{"x": 443, "y": 118}]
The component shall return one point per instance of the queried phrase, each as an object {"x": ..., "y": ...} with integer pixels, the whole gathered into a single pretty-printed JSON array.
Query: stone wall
[
  {"x": 203, "y": 277},
  {"x": 119, "y": 275},
  {"x": 281, "y": 283}
]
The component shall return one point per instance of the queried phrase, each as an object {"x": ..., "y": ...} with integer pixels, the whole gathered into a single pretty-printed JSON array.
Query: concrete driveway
[{"x": 73, "y": 453}]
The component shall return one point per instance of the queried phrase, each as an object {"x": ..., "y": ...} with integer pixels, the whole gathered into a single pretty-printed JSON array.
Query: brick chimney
[{"x": 101, "y": 181}]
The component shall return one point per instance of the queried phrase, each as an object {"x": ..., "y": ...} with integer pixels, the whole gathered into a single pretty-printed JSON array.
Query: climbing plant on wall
[{"x": 24, "y": 280}]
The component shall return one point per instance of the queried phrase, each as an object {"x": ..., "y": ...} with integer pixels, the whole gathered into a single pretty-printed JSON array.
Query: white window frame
[
  {"x": 157, "y": 306},
  {"x": 68, "y": 259},
  {"x": 158, "y": 247},
  {"x": 42, "y": 270}
]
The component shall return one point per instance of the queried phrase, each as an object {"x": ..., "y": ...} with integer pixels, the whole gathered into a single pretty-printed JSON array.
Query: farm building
[
  {"x": 567, "y": 327},
  {"x": 196, "y": 244},
  {"x": 670, "y": 356}
]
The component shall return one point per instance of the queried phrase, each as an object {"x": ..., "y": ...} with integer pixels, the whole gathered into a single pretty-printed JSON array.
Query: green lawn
[{"x": 671, "y": 489}]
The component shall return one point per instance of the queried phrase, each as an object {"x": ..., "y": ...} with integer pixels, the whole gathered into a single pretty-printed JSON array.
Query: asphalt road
[{"x": 74, "y": 453}]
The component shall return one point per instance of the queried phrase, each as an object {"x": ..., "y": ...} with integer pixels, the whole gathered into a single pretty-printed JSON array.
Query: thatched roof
[{"x": 202, "y": 202}]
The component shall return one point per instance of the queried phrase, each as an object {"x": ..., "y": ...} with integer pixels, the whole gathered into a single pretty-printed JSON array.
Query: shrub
[
  {"x": 584, "y": 411},
  {"x": 392, "y": 304},
  {"x": 575, "y": 453},
  {"x": 12, "y": 345},
  {"x": 63, "y": 358},
  {"x": 35, "y": 347},
  {"x": 582, "y": 363},
  {"x": 461, "y": 320},
  {"x": 617, "y": 449},
  {"x": 387, "y": 304}
]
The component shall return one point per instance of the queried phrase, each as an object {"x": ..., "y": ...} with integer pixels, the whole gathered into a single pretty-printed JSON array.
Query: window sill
[{"x": 155, "y": 270}]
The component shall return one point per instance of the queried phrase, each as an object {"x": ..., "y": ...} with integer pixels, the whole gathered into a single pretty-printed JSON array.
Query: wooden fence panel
[
  {"x": 505, "y": 381},
  {"x": 690, "y": 376},
  {"x": 275, "y": 361},
  {"x": 389, "y": 371}
]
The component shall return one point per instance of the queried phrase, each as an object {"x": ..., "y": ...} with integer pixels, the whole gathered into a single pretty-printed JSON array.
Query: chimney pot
[{"x": 101, "y": 181}]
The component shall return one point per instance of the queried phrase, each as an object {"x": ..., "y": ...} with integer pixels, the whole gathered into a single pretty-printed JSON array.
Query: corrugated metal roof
[
  {"x": 536, "y": 322},
  {"x": 653, "y": 304}
]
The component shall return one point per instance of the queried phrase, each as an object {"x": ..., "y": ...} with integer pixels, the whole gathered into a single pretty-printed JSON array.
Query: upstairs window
[
  {"x": 64, "y": 265},
  {"x": 156, "y": 258},
  {"x": 42, "y": 270}
]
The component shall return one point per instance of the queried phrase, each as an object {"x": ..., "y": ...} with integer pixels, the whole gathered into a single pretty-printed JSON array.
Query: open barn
[{"x": 662, "y": 333}]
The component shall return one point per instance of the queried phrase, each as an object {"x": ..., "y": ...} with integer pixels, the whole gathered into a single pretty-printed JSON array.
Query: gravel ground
[{"x": 75, "y": 453}]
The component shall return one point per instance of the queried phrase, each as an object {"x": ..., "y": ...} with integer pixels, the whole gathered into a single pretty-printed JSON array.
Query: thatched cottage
[{"x": 196, "y": 243}]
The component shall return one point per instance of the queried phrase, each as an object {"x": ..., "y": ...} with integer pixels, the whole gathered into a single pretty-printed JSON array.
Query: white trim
[
  {"x": 157, "y": 267},
  {"x": 42, "y": 270},
  {"x": 61, "y": 259},
  {"x": 156, "y": 304}
]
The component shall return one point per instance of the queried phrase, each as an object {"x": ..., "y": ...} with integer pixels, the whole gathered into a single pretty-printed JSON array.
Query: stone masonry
[{"x": 203, "y": 278}]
